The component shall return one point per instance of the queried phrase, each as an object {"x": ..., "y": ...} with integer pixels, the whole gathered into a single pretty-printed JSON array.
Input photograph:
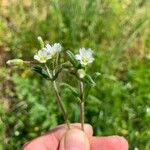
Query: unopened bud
[
  {"x": 81, "y": 73},
  {"x": 41, "y": 41},
  {"x": 15, "y": 62}
]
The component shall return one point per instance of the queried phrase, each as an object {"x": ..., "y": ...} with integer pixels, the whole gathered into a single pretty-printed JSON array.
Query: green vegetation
[{"x": 119, "y": 34}]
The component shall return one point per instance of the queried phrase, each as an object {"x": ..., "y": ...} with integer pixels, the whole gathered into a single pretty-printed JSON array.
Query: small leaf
[
  {"x": 66, "y": 65},
  {"x": 40, "y": 71},
  {"x": 73, "y": 60},
  {"x": 88, "y": 80},
  {"x": 72, "y": 89},
  {"x": 87, "y": 90},
  {"x": 95, "y": 75},
  {"x": 78, "y": 99}
]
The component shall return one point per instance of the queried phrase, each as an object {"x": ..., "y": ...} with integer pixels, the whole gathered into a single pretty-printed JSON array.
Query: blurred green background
[{"x": 119, "y": 33}]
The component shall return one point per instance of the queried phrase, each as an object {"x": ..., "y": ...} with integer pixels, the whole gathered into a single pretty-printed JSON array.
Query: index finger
[{"x": 109, "y": 143}]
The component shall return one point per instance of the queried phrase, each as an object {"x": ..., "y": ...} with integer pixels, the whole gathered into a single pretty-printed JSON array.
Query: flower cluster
[
  {"x": 85, "y": 56},
  {"x": 48, "y": 52},
  {"x": 76, "y": 65}
]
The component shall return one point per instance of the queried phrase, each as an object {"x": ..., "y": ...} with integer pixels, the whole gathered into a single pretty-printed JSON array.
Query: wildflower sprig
[
  {"x": 46, "y": 53},
  {"x": 47, "y": 63},
  {"x": 80, "y": 62}
]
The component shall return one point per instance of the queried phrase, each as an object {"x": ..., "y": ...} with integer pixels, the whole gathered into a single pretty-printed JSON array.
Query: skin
[{"x": 60, "y": 138}]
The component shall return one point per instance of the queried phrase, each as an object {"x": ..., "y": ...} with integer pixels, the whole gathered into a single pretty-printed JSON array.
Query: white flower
[
  {"x": 52, "y": 50},
  {"x": 48, "y": 52},
  {"x": 85, "y": 56},
  {"x": 57, "y": 47},
  {"x": 41, "y": 56}
]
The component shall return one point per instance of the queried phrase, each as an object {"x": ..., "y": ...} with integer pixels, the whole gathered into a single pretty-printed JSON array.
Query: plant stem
[
  {"x": 81, "y": 106},
  {"x": 82, "y": 115},
  {"x": 48, "y": 71},
  {"x": 59, "y": 101}
]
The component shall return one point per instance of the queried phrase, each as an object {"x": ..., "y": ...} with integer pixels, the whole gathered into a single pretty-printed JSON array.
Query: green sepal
[
  {"x": 73, "y": 60},
  {"x": 40, "y": 71}
]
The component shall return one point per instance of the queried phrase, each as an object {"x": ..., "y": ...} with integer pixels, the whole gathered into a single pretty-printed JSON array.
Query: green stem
[
  {"x": 81, "y": 106},
  {"x": 48, "y": 71},
  {"x": 82, "y": 115},
  {"x": 59, "y": 101},
  {"x": 58, "y": 98}
]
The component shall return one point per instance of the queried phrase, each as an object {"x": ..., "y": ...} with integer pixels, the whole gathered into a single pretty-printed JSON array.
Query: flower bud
[
  {"x": 81, "y": 73},
  {"x": 15, "y": 62},
  {"x": 41, "y": 41}
]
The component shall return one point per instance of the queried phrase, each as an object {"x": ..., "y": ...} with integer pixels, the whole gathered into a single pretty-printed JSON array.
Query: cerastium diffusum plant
[
  {"x": 80, "y": 63},
  {"x": 47, "y": 63}
]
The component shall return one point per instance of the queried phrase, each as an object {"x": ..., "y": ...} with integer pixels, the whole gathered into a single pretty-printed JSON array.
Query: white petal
[
  {"x": 82, "y": 51},
  {"x": 57, "y": 47},
  {"x": 91, "y": 60},
  {"x": 48, "y": 47},
  {"x": 78, "y": 57},
  {"x": 40, "y": 52},
  {"x": 89, "y": 51},
  {"x": 36, "y": 57}
]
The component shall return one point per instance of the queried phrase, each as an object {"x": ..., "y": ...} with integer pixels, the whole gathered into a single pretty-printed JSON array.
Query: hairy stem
[
  {"x": 82, "y": 115},
  {"x": 81, "y": 106},
  {"x": 58, "y": 99}
]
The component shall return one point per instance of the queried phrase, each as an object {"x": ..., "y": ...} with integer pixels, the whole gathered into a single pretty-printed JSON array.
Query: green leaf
[
  {"x": 88, "y": 80},
  {"x": 72, "y": 89},
  {"x": 86, "y": 92},
  {"x": 40, "y": 71},
  {"x": 95, "y": 75},
  {"x": 73, "y": 60}
]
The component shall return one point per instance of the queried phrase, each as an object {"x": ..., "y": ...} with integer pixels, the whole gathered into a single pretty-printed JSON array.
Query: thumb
[{"x": 74, "y": 139}]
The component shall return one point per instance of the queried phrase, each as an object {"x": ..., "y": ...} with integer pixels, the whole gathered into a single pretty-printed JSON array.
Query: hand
[{"x": 61, "y": 138}]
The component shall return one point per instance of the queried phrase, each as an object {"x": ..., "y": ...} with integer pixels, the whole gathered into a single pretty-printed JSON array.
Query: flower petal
[
  {"x": 48, "y": 47},
  {"x": 57, "y": 47},
  {"x": 36, "y": 57},
  {"x": 91, "y": 60},
  {"x": 78, "y": 57}
]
